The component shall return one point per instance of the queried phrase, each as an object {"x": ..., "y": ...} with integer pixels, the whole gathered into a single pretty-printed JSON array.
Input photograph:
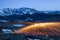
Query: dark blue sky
[{"x": 36, "y": 4}]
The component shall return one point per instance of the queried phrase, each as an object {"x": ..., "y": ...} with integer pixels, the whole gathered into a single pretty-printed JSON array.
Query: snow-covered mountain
[
  {"x": 20, "y": 11},
  {"x": 23, "y": 10}
]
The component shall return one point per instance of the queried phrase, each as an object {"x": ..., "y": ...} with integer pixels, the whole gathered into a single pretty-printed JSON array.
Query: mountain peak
[{"x": 26, "y": 10}]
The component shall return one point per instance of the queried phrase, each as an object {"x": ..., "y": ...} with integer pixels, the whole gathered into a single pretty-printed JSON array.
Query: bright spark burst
[{"x": 50, "y": 28}]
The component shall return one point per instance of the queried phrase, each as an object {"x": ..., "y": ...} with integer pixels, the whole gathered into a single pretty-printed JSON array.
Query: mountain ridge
[
  {"x": 28, "y": 14},
  {"x": 24, "y": 10}
]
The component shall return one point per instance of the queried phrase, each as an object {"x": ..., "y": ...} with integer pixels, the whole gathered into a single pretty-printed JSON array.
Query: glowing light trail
[{"x": 50, "y": 29}]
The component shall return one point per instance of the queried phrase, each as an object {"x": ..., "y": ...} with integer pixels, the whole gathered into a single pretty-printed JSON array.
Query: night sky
[{"x": 36, "y": 4}]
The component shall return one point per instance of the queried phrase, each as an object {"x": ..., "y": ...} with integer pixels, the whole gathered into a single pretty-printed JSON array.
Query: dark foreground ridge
[{"x": 26, "y": 37}]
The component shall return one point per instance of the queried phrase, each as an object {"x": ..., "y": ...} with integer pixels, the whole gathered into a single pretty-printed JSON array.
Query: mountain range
[{"x": 28, "y": 14}]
